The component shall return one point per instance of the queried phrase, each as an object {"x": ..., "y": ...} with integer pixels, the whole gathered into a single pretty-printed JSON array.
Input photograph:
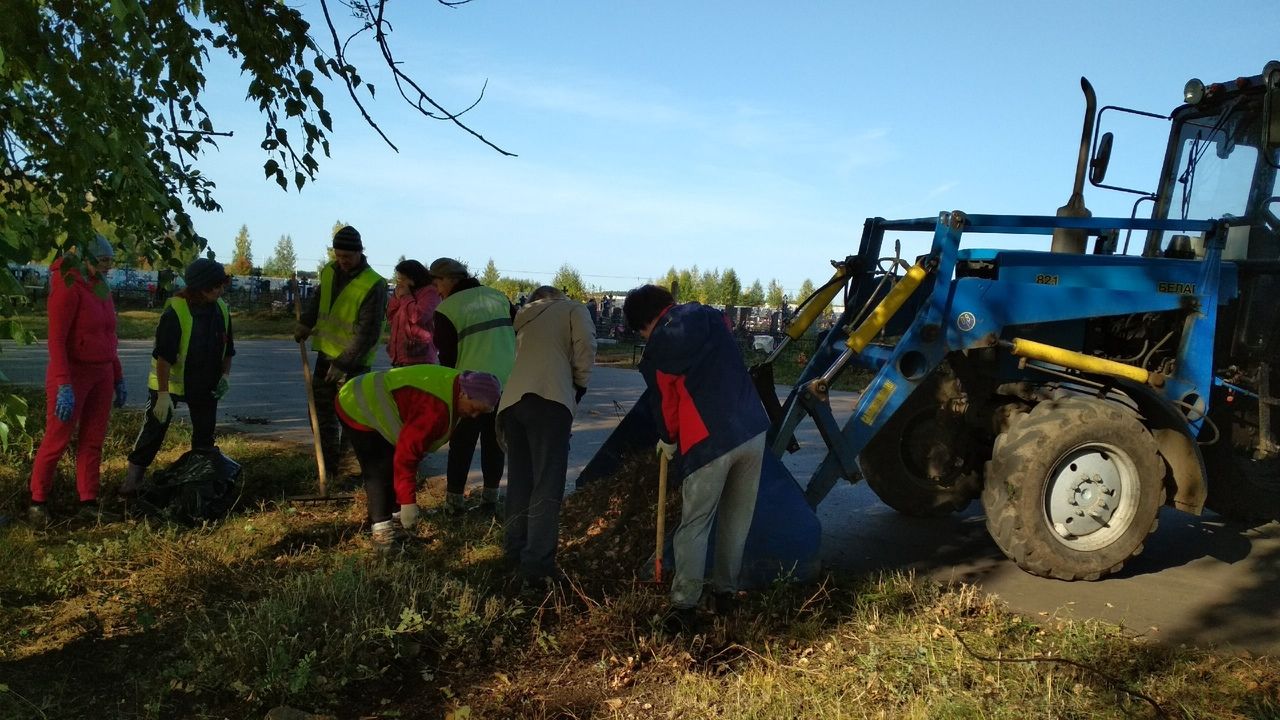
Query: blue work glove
[
  {"x": 65, "y": 403},
  {"x": 223, "y": 386},
  {"x": 122, "y": 393}
]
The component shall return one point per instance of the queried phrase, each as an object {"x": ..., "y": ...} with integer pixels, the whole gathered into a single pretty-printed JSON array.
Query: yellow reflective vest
[
  {"x": 367, "y": 398},
  {"x": 336, "y": 321},
  {"x": 179, "y": 368},
  {"x": 486, "y": 338}
]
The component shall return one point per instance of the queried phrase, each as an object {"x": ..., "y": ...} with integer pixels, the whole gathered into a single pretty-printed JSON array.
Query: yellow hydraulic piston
[
  {"x": 1084, "y": 363},
  {"x": 888, "y": 307},
  {"x": 814, "y": 307}
]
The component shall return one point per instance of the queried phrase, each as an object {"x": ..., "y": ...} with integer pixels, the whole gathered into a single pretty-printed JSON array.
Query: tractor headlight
[{"x": 1193, "y": 91}]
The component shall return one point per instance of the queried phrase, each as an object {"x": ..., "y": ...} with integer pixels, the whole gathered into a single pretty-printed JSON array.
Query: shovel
[
  {"x": 662, "y": 518},
  {"x": 324, "y": 495}
]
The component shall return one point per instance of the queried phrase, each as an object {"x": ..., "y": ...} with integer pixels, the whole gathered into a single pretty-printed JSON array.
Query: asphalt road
[{"x": 1201, "y": 581}]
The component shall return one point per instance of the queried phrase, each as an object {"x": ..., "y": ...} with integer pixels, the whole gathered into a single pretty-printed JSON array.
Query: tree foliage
[
  {"x": 775, "y": 297},
  {"x": 730, "y": 287},
  {"x": 687, "y": 284},
  {"x": 806, "y": 289},
  {"x": 513, "y": 288},
  {"x": 669, "y": 280},
  {"x": 102, "y": 126},
  {"x": 284, "y": 261},
  {"x": 754, "y": 297},
  {"x": 242, "y": 256},
  {"x": 568, "y": 279},
  {"x": 490, "y": 276},
  {"x": 709, "y": 288}
]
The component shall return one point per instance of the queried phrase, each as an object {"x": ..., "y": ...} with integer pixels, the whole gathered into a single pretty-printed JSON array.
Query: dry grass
[{"x": 282, "y": 603}]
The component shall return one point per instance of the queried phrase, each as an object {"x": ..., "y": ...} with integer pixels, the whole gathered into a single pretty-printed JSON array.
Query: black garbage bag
[{"x": 201, "y": 485}]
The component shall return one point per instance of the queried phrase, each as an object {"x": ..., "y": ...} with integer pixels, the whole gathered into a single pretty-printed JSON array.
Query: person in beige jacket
[{"x": 555, "y": 350}]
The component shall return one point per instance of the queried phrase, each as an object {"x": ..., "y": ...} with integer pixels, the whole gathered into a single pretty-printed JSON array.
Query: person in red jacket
[
  {"x": 411, "y": 312},
  {"x": 394, "y": 418},
  {"x": 83, "y": 378}
]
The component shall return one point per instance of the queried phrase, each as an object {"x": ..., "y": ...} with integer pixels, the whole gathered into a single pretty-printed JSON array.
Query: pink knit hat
[{"x": 481, "y": 387}]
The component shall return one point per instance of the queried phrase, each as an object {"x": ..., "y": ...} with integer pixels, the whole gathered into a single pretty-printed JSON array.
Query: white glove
[
  {"x": 409, "y": 515},
  {"x": 163, "y": 409},
  {"x": 334, "y": 375},
  {"x": 666, "y": 450}
]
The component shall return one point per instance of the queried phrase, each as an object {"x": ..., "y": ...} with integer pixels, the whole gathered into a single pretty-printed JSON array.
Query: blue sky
[{"x": 752, "y": 135}]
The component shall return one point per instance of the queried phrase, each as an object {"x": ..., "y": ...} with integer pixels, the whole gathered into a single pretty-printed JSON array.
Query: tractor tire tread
[{"x": 1023, "y": 444}]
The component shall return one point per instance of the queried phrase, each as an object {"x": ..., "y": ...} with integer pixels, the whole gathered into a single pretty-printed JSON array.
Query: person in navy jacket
[{"x": 709, "y": 415}]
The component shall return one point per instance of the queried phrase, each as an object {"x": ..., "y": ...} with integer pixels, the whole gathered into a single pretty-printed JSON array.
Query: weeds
[
  {"x": 313, "y": 634},
  {"x": 289, "y": 604}
]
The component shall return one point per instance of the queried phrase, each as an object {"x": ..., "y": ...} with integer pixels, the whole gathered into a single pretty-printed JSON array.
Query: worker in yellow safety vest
[
  {"x": 344, "y": 319},
  {"x": 189, "y": 364},
  {"x": 473, "y": 332},
  {"x": 394, "y": 418}
]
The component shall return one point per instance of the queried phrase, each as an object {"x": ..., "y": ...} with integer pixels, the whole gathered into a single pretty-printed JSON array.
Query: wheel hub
[{"x": 1085, "y": 493}]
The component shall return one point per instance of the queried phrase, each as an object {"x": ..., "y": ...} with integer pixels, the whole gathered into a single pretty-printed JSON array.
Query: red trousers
[{"x": 94, "y": 386}]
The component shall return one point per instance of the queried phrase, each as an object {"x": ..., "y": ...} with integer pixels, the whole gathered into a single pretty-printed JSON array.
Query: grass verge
[
  {"x": 283, "y": 604},
  {"x": 141, "y": 324}
]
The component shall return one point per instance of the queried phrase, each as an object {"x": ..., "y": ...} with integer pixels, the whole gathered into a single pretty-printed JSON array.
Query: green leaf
[
  {"x": 15, "y": 406},
  {"x": 9, "y": 285},
  {"x": 271, "y": 167},
  {"x": 4, "y": 442},
  {"x": 300, "y": 179},
  {"x": 370, "y": 86}
]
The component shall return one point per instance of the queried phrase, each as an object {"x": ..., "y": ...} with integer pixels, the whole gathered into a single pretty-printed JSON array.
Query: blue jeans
[{"x": 722, "y": 492}]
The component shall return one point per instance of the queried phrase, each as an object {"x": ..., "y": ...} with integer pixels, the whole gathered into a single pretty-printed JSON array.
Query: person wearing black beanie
[
  {"x": 343, "y": 319},
  {"x": 189, "y": 365}
]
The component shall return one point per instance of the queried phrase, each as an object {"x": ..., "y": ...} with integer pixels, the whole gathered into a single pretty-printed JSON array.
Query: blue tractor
[{"x": 1075, "y": 390}]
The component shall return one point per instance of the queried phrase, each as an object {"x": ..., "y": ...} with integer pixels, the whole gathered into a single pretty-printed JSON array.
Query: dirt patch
[{"x": 607, "y": 528}]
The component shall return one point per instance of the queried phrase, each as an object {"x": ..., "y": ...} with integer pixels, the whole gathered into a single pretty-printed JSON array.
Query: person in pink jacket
[
  {"x": 411, "y": 311},
  {"x": 82, "y": 380}
]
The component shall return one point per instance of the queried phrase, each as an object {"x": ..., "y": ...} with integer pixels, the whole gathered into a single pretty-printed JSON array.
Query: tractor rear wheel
[
  {"x": 925, "y": 461},
  {"x": 1073, "y": 489}
]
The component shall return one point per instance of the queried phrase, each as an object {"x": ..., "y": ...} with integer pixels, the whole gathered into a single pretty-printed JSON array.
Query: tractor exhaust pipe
[{"x": 1072, "y": 240}]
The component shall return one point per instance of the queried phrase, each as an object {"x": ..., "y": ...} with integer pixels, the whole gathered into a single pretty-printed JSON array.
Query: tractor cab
[{"x": 1223, "y": 161}]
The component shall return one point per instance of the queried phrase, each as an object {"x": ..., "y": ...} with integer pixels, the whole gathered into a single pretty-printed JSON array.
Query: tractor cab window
[
  {"x": 1219, "y": 170},
  {"x": 1215, "y": 170}
]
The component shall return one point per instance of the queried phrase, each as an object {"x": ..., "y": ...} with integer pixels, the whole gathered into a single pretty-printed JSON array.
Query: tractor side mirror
[
  {"x": 1271, "y": 107},
  {"x": 1101, "y": 159}
]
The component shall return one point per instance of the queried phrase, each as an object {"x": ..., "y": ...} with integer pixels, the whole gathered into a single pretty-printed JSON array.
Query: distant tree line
[{"x": 710, "y": 287}]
